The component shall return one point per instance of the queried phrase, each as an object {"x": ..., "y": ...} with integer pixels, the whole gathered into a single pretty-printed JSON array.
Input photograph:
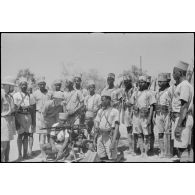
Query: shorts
[
  {"x": 25, "y": 122},
  {"x": 8, "y": 128},
  {"x": 127, "y": 118},
  {"x": 103, "y": 147},
  {"x": 140, "y": 126},
  {"x": 186, "y": 133},
  {"x": 162, "y": 123}
]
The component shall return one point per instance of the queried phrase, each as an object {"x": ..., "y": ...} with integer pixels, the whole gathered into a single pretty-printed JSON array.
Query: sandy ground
[{"x": 128, "y": 157}]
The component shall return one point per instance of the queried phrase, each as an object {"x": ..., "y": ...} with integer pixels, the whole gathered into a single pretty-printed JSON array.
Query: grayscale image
[{"x": 97, "y": 97}]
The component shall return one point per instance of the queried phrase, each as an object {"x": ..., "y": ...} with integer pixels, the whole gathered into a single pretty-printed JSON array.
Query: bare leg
[
  {"x": 42, "y": 142},
  {"x": 19, "y": 143},
  {"x": 141, "y": 143},
  {"x": 161, "y": 145},
  {"x": 31, "y": 139},
  {"x": 7, "y": 152},
  {"x": 146, "y": 144},
  {"x": 25, "y": 145},
  {"x": 3, "y": 149}
]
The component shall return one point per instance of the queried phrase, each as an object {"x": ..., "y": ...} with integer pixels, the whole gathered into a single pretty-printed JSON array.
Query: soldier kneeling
[{"x": 59, "y": 140}]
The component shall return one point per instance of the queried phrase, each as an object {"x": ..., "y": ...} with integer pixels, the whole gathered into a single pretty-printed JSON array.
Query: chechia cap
[
  {"x": 63, "y": 116},
  {"x": 57, "y": 81},
  {"x": 143, "y": 78},
  {"x": 162, "y": 77},
  {"x": 182, "y": 65},
  {"x": 23, "y": 80},
  {"x": 111, "y": 75},
  {"x": 41, "y": 80},
  {"x": 90, "y": 82},
  {"x": 106, "y": 93}
]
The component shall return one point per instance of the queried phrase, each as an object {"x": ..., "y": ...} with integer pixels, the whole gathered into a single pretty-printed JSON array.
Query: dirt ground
[{"x": 128, "y": 157}]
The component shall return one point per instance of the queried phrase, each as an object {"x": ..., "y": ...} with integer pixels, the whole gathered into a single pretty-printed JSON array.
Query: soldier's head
[
  {"x": 148, "y": 81},
  {"x": 128, "y": 82},
  {"x": 110, "y": 79},
  {"x": 142, "y": 83},
  {"x": 180, "y": 70},
  {"x": 63, "y": 117},
  {"x": 163, "y": 80},
  {"x": 58, "y": 97},
  {"x": 57, "y": 85},
  {"x": 91, "y": 87},
  {"x": 8, "y": 84},
  {"x": 41, "y": 84},
  {"x": 23, "y": 84},
  {"x": 77, "y": 81},
  {"x": 106, "y": 99},
  {"x": 69, "y": 83}
]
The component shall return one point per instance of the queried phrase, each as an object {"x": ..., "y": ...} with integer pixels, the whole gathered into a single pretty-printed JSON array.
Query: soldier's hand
[
  {"x": 178, "y": 132},
  {"x": 148, "y": 122}
]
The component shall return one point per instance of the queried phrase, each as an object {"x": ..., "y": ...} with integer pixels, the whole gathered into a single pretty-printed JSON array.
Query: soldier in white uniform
[
  {"x": 92, "y": 104},
  {"x": 143, "y": 102},
  {"x": 162, "y": 110},
  {"x": 183, "y": 120},
  {"x": 23, "y": 117},
  {"x": 107, "y": 125},
  {"x": 8, "y": 128}
]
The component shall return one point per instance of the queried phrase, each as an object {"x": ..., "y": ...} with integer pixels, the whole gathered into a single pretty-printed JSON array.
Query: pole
[{"x": 141, "y": 65}]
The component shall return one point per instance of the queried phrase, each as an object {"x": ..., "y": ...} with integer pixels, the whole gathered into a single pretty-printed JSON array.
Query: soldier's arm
[{"x": 183, "y": 112}]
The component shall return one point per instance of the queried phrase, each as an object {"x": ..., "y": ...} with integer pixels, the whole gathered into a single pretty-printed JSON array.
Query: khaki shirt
[
  {"x": 163, "y": 98},
  {"x": 40, "y": 99},
  {"x": 143, "y": 99},
  {"x": 183, "y": 91},
  {"x": 107, "y": 118}
]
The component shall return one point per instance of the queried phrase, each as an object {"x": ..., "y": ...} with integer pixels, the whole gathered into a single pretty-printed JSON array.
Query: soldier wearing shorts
[
  {"x": 40, "y": 97},
  {"x": 107, "y": 125},
  {"x": 162, "y": 110},
  {"x": 23, "y": 117},
  {"x": 92, "y": 104},
  {"x": 182, "y": 116},
  {"x": 143, "y": 102},
  {"x": 8, "y": 128}
]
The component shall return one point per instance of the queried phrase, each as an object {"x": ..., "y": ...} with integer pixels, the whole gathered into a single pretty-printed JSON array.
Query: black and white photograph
[{"x": 97, "y": 97}]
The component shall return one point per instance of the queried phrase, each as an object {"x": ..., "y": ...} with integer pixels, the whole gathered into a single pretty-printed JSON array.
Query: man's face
[
  {"x": 77, "y": 81},
  {"x": 128, "y": 83},
  {"x": 42, "y": 86},
  {"x": 105, "y": 101},
  {"x": 23, "y": 86},
  {"x": 91, "y": 89},
  {"x": 68, "y": 84},
  {"x": 162, "y": 84},
  {"x": 142, "y": 85},
  {"x": 110, "y": 81},
  {"x": 58, "y": 101},
  {"x": 176, "y": 74},
  {"x": 57, "y": 86}
]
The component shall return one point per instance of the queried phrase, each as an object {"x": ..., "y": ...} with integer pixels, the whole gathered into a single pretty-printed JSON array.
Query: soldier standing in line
[
  {"x": 92, "y": 104},
  {"x": 40, "y": 96},
  {"x": 126, "y": 108},
  {"x": 162, "y": 110},
  {"x": 113, "y": 90},
  {"x": 23, "y": 117},
  {"x": 181, "y": 114},
  {"x": 143, "y": 102},
  {"x": 73, "y": 101},
  {"x": 58, "y": 85},
  {"x": 8, "y": 128}
]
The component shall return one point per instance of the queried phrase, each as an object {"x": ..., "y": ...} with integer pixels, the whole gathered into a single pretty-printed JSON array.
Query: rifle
[{"x": 63, "y": 127}]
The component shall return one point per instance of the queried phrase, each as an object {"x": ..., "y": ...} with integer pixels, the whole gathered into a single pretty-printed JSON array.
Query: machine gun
[{"x": 66, "y": 126}]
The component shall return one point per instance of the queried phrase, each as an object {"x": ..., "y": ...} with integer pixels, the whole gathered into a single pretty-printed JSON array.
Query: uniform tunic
[
  {"x": 162, "y": 121},
  {"x": 92, "y": 104},
  {"x": 50, "y": 113},
  {"x": 141, "y": 99},
  {"x": 72, "y": 101},
  {"x": 23, "y": 100},
  {"x": 183, "y": 91},
  {"x": 8, "y": 128},
  {"x": 40, "y": 99},
  {"x": 106, "y": 120}
]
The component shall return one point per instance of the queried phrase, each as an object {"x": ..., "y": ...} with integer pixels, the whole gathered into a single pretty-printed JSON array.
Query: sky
[{"x": 45, "y": 53}]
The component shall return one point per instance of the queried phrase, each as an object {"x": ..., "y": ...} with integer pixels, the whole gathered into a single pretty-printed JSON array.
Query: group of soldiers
[{"x": 163, "y": 116}]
